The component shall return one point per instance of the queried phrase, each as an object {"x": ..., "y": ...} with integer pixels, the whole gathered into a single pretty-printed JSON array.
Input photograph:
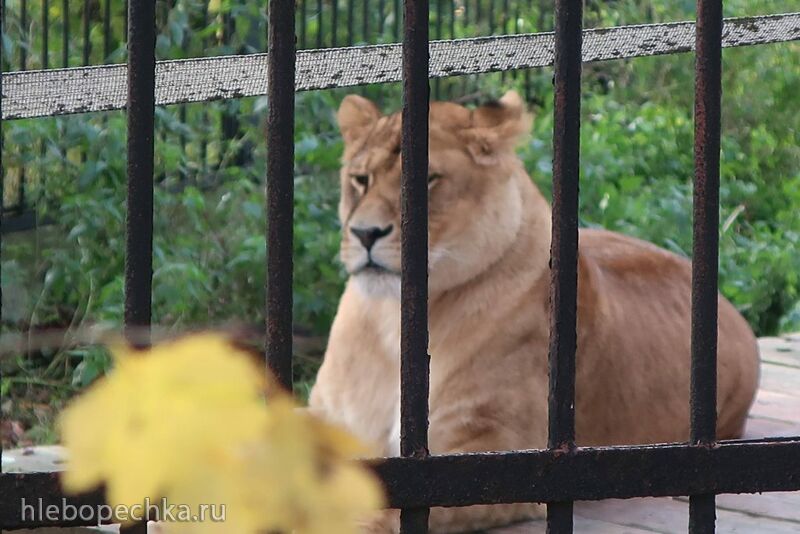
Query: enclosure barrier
[
  {"x": 40, "y": 93},
  {"x": 560, "y": 474}
]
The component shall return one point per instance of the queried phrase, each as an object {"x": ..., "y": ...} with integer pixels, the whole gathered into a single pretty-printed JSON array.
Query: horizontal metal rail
[
  {"x": 526, "y": 476},
  {"x": 103, "y": 88}
]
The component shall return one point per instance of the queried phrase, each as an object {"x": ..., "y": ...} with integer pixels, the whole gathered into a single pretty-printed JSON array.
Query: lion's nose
[{"x": 368, "y": 236}]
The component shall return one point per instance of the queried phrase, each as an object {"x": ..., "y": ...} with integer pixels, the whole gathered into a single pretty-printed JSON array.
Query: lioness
[{"x": 489, "y": 290}]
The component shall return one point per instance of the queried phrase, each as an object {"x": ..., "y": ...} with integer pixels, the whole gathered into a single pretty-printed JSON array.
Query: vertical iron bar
[
  {"x": 528, "y": 71},
  {"x": 414, "y": 359},
  {"x": 86, "y": 49},
  {"x": 204, "y": 119},
  {"x": 465, "y": 25},
  {"x": 2, "y": 145},
  {"x": 320, "y": 20},
  {"x": 280, "y": 188},
  {"x": 350, "y": 22},
  {"x": 182, "y": 109},
  {"x": 504, "y": 30},
  {"x": 707, "y": 112},
  {"x": 564, "y": 245},
  {"x": 23, "y": 40},
  {"x": 65, "y": 34},
  {"x": 2, "y": 175},
  {"x": 45, "y": 34},
  {"x": 25, "y": 43},
  {"x": 439, "y": 15},
  {"x": 64, "y": 63},
  {"x": 86, "y": 33},
  {"x": 515, "y": 26},
  {"x": 141, "y": 119},
  {"x": 45, "y": 60}
]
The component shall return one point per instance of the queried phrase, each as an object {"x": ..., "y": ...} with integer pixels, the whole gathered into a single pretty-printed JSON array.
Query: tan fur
[{"x": 489, "y": 282}]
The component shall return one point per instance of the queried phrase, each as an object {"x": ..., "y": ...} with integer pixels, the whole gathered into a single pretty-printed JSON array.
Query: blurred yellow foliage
[
  {"x": 196, "y": 421},
  {"x": 214, "y": 6}
]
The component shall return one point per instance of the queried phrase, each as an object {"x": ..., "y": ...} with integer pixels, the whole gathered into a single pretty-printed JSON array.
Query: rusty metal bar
[
  {"x": 139, "y": 220},
  {"x": 705, "y": 265},
  {"x": 467, "y": 479},
  {"x": 280, "y": 187},
  {"x": 2, "y": 168},
  {"x": 564, "y": 244},
  {"x": 414, "y": 359}
]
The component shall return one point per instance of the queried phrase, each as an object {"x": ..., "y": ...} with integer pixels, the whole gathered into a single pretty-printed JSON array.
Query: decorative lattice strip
[{"x": 85, "y": 89}]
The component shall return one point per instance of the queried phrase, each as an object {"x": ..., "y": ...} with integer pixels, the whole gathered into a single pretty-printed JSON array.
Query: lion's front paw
[{"x": 385, "y": 522}]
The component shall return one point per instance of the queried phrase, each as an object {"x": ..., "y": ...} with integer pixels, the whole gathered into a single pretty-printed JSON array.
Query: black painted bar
[
  {"x": 414, "y": 360},
  {"x": 65, "y": 34},
  {"x": 564, "y": 245},
  {"x": 530, "y": 476},
  {"x": 2, "y": 168},
  {"x": 87, "y": 43},
  {"x": 705, "y": 270},
  {"x": 280, "y": 188},
  {"x": 24, "y": 37},
  {"x": 350, "y": 22},
  {"x": 45, "y": 34},
  {"x": 437, "y": 83},
  {"x": 139, "y": 220},
  {"x": 592, "y": 473},
  {"x": 320, "y": 20}
]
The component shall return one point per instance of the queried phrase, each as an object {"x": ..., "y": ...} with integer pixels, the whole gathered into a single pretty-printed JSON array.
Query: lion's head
[{"x": 474, "y": 204}]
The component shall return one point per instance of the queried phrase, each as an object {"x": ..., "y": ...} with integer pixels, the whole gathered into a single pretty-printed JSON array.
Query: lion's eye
[
  {"x": 360, "y": 182},
  {"x": 433, "y": 177}
]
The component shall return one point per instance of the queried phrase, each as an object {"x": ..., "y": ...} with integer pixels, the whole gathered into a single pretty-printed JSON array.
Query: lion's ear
[
  {"x": 356, "y": 114},
  {"x": 496, "y": 128}
]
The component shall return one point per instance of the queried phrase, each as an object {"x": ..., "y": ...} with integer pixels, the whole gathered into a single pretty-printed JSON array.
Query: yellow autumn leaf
[{"x": 187, "y": 421}]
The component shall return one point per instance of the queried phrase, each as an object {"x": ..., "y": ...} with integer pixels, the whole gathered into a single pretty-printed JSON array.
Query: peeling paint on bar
[
  {"x": 83, "y": 89},
  {"x": 531, "y": 476}
]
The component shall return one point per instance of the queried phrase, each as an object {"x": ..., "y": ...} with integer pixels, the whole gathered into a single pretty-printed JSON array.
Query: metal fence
[
  {"x": 415, "y": 481},
  {"x": 88, "y": 32}
]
